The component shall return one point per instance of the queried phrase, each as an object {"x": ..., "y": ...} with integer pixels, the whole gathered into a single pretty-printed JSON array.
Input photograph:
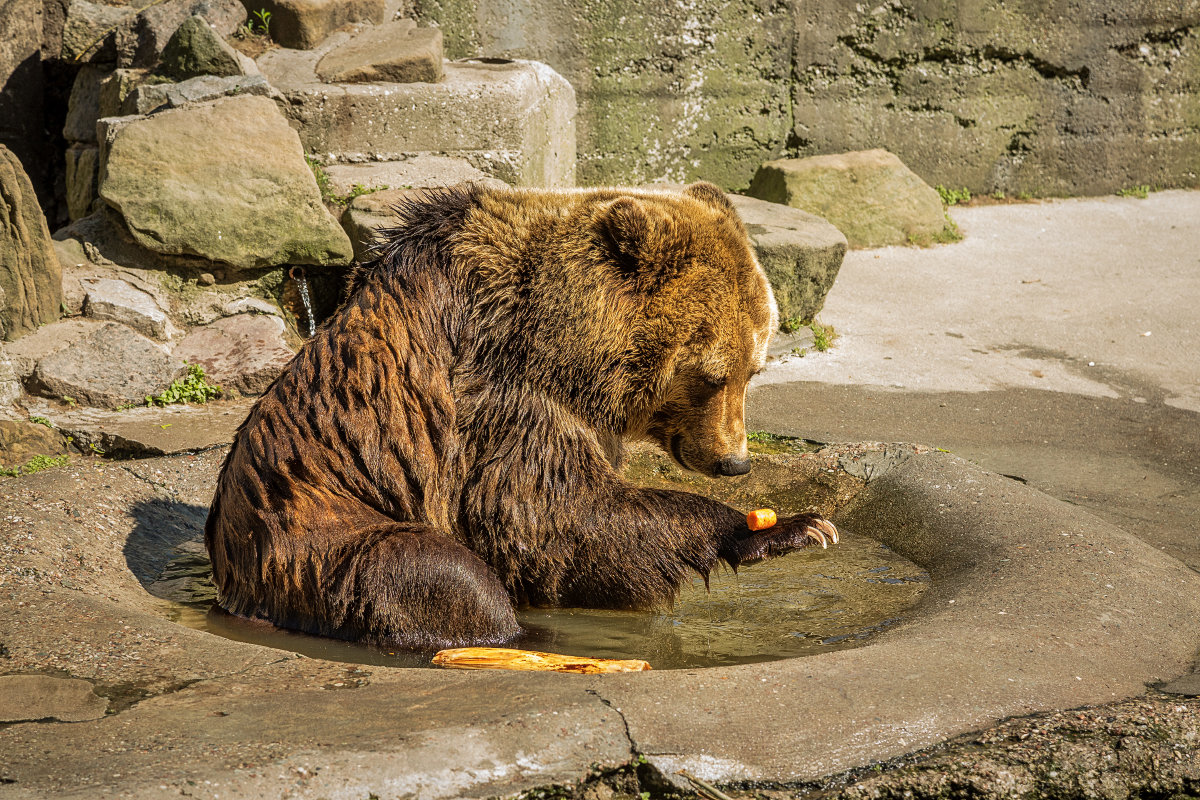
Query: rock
[
  {"x": 141, "y": 41},
  {"x": 801, "y": 254},
  {"x": 23, "y": 88},
  {"x": 140, "y": 432},
  {"x": 1186, "y": 685},
  {"x": 513, "y": 120},
  {"x": 82, "y": 163},
  {"x": 10, "y": 383},
  {"x": 30, "y": 276},
  {"x": 869, "y": 195},
  {"x": 245, "y": 352},
  {"x": 90, "y": 30},
  {"x": 21, "y": 441},
  {"x": 83, "y": 109},
  {"x": 25, "y": 354},
  {"x": 112, "y": 366},
  {"x": 108, "y": 298},
  {"x": 304, "y": 24},
  {"x": 115, "y": 87},
  {"x": 412, "y": 173},
  {"x": 152, "y": 96},
  {"x": 206, "y": 279},
  {"x": 29, "y": 698},
  {"x": 196, "y": 49},
  {"x": 369, "y": 213},
  {"x": 225, "y": 180},
  {"x": 395, "y": 52}
]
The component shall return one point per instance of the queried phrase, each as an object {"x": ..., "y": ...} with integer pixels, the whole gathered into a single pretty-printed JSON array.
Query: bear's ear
[
  {"x": 711, "y": 194},
  {"x": 626, "y": 229}
]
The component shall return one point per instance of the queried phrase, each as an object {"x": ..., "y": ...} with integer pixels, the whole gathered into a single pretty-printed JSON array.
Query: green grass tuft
[
  {"x": 192, "y": 388},
  {"x": 36, "y": 464},
  {"x": 951, "y": 197},
  {"x": 1140, "y": 192}
]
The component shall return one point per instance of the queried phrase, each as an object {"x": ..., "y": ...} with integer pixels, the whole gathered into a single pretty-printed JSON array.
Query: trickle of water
[{"x": 298, "y": 276}]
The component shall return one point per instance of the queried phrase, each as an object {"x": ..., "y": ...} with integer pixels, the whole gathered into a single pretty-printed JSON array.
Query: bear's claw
[{"x": 789, "y": 535}]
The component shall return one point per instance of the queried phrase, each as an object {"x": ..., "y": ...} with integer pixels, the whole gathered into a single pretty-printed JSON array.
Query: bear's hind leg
[{"x": 408, "y": 585}]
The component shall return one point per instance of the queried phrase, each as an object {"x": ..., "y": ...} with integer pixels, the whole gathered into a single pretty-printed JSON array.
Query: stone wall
[{"x": 1045, "y": 97}]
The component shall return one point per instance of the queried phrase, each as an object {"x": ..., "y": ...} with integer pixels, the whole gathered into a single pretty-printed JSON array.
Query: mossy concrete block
[
  {"x": 667, "y": 91},
  {"x": 395, "y": 52},
  {"x": 305, "y": 24},
  {"x": 30, "y": 275},
  {"x": 514, "y": 120},
  {"x": 225, "y": 181},
  {"x": 801, "y": 254},
  {"x": 868, "y": 195}
]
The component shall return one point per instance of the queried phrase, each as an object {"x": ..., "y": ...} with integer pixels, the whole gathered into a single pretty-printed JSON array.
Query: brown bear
[{"x": 447, "y": 446}]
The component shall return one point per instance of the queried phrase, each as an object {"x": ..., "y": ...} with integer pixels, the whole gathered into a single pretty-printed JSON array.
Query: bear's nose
[{"x": 732, "y": 465}]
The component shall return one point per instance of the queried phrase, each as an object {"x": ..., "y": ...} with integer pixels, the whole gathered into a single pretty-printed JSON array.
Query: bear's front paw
[{"x": 789, "y": 534}]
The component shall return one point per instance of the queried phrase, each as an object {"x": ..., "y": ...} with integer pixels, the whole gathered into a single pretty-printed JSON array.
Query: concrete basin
[{"x": 1034, "y": 605}]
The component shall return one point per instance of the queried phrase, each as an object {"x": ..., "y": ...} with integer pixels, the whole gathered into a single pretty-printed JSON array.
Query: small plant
[
  {"x": 998, "y": 195},
  {"x": 192, "y": 388},
  {"x": 1140, "y": 192},
  {"x": 66, "y": 398},
  {"x": 951, "y": 197},
  {"x": 823, "y": 336},
  {"x": 41, "y": 421},
  {"x": 325, "y": 185},
  {"x": 263, "y": 26},
  {"x": 36, "y": 464}
]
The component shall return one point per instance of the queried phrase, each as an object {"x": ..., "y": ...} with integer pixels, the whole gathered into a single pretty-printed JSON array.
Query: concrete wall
[{"x": 1041, "y": 96}]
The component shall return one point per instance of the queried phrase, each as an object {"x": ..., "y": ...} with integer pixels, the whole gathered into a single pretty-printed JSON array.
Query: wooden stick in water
[{"x": 504, "y": 658}]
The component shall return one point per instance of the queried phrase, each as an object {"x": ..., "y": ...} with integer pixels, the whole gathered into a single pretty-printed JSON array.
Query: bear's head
[{"x": 706, "y": 316}]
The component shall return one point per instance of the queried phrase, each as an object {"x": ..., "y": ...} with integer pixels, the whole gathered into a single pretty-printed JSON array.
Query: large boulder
[
  {"x": 82, "y": 161},
  {"x": 304, "y": 24},
  {"x": 21, "y": 441},
  {"x": 83, "y": 108},
  {"x": 30, "y": 275},
  {"x": 869, "y": 195},
  {"x": 801, "y": 254},
  {"x": 110, "y": 367},
  {"x": 395, "y": 52},
  {"x": 225, "y": 181},
  {"x": 90, "y": 30},
  {"x": 118, "y": 300}
]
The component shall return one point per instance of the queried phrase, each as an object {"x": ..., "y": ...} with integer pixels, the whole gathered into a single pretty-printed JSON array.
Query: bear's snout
[{"x": 732, "y": 465}]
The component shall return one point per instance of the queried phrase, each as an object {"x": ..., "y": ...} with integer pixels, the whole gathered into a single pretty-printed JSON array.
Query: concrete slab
[
  {"x": 1024, "y": 348},
  {"x": 1033, "y": 605},
  {"x": 513, "y": 120}
]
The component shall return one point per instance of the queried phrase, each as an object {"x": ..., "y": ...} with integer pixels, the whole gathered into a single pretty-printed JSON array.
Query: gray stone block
[
  {"x": 153, "y": 96},
  {"x": 513, "y": 120},
  {"x": 412, "y": 173},
  {"x": 116, "y": 300},
  {"x": 196, "y": 49},
  {"x": 110, "y": 367},
  {"x": 395, "y": 52}
]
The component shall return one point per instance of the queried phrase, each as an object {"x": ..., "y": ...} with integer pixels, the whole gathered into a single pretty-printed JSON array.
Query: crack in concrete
[{"x": 633, "y": 748}]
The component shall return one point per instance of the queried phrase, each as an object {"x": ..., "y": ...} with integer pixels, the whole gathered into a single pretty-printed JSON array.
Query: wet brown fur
[{"x": 446, "y": 446}]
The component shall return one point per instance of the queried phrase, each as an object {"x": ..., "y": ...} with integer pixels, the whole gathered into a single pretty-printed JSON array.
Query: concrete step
[{"x": 512, "y": 120}]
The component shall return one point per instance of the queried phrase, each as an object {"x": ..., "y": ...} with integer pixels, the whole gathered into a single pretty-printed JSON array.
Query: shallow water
[{"x": 805, "y": 603}]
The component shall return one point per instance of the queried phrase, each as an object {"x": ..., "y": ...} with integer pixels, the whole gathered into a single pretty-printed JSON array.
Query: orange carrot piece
[{"x": 761, "y": 519}]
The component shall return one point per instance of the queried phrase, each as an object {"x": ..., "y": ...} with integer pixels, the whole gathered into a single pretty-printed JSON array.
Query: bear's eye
[{"x": 713, "y": 381}]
